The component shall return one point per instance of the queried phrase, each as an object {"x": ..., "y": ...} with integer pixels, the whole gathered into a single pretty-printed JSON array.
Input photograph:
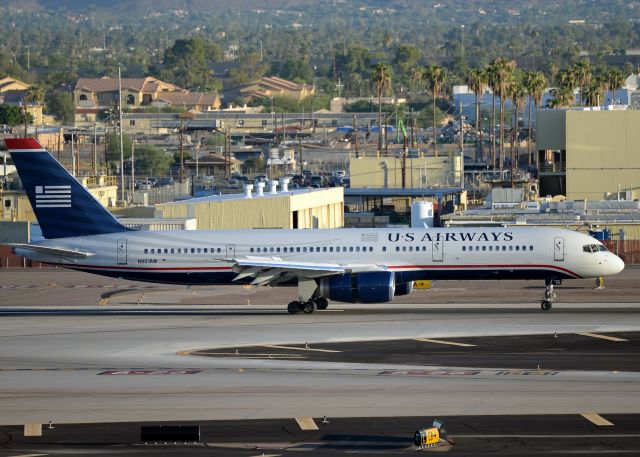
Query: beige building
[
  {"x": 587, "y": 154},
  {"x": 420, "y": 172},
  {"x": 93, "y": 96},
  {"x": 272, "y": 86},
  {"x": 16, "y": 93},
  {"x": 299, "y": 208}
]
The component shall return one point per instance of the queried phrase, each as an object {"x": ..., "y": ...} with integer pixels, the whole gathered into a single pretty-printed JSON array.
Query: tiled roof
[
  {"x": 187, "y": 98},
  {"x": 107, "y": 84}
]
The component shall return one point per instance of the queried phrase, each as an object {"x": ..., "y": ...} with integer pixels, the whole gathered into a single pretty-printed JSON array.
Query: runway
[{"x": 73, "y": 361}]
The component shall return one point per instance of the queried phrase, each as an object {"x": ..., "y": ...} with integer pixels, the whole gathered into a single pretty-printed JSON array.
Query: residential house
[
  {"x": 94, "y": 96},
  {"x": 16, "y": 93},
  {"x": 272, "y": 86}
]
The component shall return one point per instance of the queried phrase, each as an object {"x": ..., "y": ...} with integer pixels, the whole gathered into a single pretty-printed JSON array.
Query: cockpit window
[{"x": 593, "y": 248}]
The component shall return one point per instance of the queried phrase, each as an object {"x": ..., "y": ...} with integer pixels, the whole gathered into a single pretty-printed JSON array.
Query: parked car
[{"x": 164, "y": 182}]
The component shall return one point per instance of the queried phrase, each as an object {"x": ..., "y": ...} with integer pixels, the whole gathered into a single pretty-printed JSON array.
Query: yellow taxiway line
[{"x": 450, "y": 343}]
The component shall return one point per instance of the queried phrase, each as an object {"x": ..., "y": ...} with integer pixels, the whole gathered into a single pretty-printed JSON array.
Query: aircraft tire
[
  {"x": 309, "y": 307},
  {"x": 545, "y": 305},
  {"x": 322, "y": 303},
  {"x": 293, "y": 307}
]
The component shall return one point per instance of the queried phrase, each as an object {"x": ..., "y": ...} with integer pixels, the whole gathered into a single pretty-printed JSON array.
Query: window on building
[
  {"x": 132, "y": 122},
  {"x": 131, "y": 100}
]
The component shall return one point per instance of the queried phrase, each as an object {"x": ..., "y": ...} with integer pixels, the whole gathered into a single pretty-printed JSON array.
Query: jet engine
[
  {"x": 373, "y": 287},
  {"x": 404, "y": 288}
]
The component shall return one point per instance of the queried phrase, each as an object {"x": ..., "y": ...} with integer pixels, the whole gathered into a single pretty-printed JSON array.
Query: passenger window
[
  {"x": 384, "y": 249},
  {"x": 153, "y": 251},
  {"x": 324, "y": 249},
  {"x": 271, "y": 249},
  {"x": 350, "y": 248},
  {"x": 484, "y": 248},
  {"x": 193, "y": 250},
  {"x": 517, "y": 248},
  {"x": 397, "y": 248},
  {"x": 199, "y": 251},
  {"x": 277, "y": 249},
  {"x": 250, "y": 249},
  {"x": 464, "y": 248},
  {"x": 491, "y": 248},
  {"x": 206, "y": 250},
  {"x": 304, "y": 249},
  {"x": 477, "y": 248},
  {"x": 166, "y": 251},
  {"x": 504, "y": 248},
  {"x": 330, "y": 248},
  {"x": 511, "y": 248},
  {"x": 531, "y": 248},
  {"x": 146, "y": 251},
  {"x": 298, "y": 249},
  {"x": 404, "y": 248},
  {"x": 370, "y": 248}
]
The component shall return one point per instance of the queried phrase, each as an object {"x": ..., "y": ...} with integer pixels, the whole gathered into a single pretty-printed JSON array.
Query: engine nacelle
[
  {"x": 404, "y": 288},
  {"x": 374, "y": 287}
]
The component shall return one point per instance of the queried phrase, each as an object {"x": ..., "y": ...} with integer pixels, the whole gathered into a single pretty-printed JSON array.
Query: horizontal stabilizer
[{"x": 59, "y": 252}]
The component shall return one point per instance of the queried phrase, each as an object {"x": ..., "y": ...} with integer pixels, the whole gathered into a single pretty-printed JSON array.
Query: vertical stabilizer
[{"x": 63, "y": 207}]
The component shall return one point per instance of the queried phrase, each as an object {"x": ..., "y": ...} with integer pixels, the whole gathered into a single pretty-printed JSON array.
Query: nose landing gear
[{"x": 549, "y": 294}]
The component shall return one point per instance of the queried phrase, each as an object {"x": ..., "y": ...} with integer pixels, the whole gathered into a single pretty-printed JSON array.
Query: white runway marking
[
  {"x": 450, "y": 343},
  {"x": 306, "y": 423},
  {"x": 597, "y": 419},
  {"x": 273, "y": 346},
  {"x": 602, "y": 337}
]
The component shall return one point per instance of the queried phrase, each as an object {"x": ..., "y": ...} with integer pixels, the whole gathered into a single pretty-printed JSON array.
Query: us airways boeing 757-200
[{"x": 347, "y": 265}]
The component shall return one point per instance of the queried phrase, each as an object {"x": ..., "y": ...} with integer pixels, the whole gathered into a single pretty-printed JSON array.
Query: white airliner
[{"x": 347, "y": 265}]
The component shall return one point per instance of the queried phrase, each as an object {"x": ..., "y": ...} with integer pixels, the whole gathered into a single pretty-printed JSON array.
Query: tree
[
  {"x": 187, "y": 63},
  {"x": 151, "y": 160},
  {"x": 113, "y": 147},
  {"x": 477, "y": 80},
  {"x": 14, "y": 115},
  {"x": 250, "y": 68},
  {"x": 535, "y": 83},
  {"x": 60, "y": 104},
  {"x": 615, "y": 79},
  {"x": 502, "y": 72},
  {"x": 582, "y": 75},
  {"x": 381, "y": 79},
  {"x": 434, "y": 76},
  {"x": 518, "y": 93}
]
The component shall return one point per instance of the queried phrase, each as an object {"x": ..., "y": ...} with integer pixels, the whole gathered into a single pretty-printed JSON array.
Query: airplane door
[
  {"x": 558, "y": 249},
  {"x": 231, "y": 251},
  {"x": 437, "y": 248},
  {"x": 122, "y": 251}
]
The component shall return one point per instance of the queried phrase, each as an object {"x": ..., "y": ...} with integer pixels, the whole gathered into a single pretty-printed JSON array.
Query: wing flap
[{"x": 274, "y": 270}]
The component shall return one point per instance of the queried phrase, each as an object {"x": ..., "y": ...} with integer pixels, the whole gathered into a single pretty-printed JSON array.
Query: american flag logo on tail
[{"x": 53, "y": 196}]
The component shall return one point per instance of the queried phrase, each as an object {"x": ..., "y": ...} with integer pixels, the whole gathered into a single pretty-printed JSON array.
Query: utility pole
[
  {"x": 120, "y": 131},
  {"x": 73, "y": 156},
  {"x": 95, "y": 151},
  {"x": 300, "y": 153},
  {"x": 355, "y": 136},
  {"x": 181, "y": 150},
  {"x": 461, "y": 146}
]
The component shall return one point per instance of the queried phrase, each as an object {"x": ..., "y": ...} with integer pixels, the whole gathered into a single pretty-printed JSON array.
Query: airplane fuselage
[{"x": 206, "y": 257}]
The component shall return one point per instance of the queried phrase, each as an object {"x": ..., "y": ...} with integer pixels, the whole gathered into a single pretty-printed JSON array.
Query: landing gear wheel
[
  {"x": 309, "y": 307},
  {"x": 545, "y": 305},
  {"x": 322, "y": 303},
  {"x": 293, "y": 307}
]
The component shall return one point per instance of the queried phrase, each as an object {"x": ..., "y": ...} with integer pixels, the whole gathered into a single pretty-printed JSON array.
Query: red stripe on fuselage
[{"x": 391, "y": 267}]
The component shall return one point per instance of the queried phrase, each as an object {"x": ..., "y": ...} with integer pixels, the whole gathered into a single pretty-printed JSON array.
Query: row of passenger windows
[
  {"x": 183, "y": 251},
  {"x": 313, "y": 249},
  {"x": 497, "y": 248},
  {"x": 286, "y": 249}
]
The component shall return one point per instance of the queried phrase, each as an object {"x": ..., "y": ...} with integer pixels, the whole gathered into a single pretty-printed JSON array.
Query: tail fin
[{"x": 63, "y": 207}]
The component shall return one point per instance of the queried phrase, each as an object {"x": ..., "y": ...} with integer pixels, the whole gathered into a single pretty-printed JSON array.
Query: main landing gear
[
  {"x": 308, "y": 306},
  {"x": 549, "y": 294}
]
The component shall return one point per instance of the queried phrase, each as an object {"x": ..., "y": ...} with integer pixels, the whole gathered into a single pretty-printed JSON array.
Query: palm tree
[
  {"x": 582, "y": 73},
  {"x": 562, "y": 97},
  {"x": 615, "y": 80},
  {"x": 503, "y": 71},
  {"x": 490, "y": 71},
  {"x": 477, "y": 80},
  {"x": 381, "y": 79},
  {"x": 518, "y": 93},
  {"x": 435, "y": 76},
  {"x": 415, "y": 76},
  {"x": 535, "y": 83}
]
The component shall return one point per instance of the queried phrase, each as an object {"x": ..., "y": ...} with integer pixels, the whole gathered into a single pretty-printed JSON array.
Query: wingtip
[{"x": 14, "y": 144}]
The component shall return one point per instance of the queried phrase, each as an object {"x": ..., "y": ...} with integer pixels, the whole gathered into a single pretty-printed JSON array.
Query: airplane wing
[
  {"x": 60, "y": 252},
  {"x": 274, "y": 270}
]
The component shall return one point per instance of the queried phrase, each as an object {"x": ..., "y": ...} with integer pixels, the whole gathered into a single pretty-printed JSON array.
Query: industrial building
[
  {"x": 297, "y": 208},
  {"x": 588, "y": 154}
]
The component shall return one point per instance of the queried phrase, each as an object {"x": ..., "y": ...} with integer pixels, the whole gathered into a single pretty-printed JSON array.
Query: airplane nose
[{"x": 616, "y": 264}]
